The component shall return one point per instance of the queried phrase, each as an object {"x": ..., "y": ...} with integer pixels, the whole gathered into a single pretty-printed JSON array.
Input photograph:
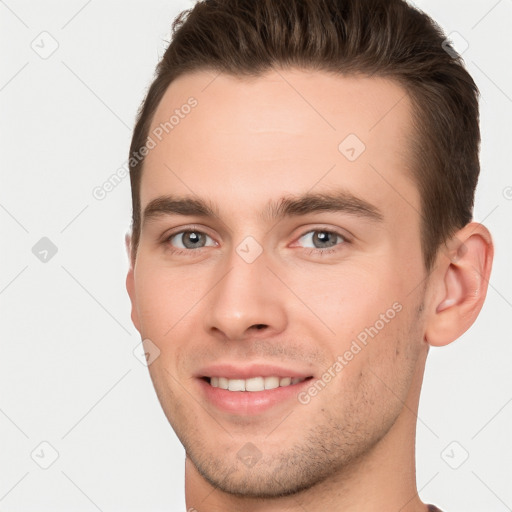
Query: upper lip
[{"x": 247, "y": 371}]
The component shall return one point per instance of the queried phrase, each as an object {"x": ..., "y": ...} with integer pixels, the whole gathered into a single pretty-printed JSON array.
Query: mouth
[{"x": 249, "y": 391}]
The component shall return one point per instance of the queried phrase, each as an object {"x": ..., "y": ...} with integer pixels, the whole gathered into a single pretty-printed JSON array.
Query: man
[{"x": 302, "y": 179}]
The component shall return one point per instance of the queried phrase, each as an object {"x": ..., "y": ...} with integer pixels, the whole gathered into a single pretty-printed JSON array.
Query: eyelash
[{"x": 309, "y": 251}]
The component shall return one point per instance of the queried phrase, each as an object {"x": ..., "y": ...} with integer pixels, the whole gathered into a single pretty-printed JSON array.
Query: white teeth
[
  {"x": 254, "y": 383},
  {"x": 271, "y": 382},
  {"x": 236, "y": 385}
]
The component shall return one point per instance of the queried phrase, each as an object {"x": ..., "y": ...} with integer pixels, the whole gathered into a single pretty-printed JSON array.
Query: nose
[{"x": 246, "y": 300}]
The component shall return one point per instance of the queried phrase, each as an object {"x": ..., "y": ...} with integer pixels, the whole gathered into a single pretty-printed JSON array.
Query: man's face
[{"x": 327, "y": 292}]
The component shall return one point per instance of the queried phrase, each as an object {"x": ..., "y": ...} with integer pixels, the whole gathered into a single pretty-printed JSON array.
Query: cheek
[
  {"x": 350, "y": 298},
  {"x": 168, "y": 301},
  {"x": 374, "y": 383},
  {"x": 370, "y": 318},
  {"x": 164, "y": 296}
]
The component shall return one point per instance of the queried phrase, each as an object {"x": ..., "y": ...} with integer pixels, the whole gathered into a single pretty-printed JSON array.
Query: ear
[
  {"x": 130, "y": 282},
  {"x": 460, "y": 284}
]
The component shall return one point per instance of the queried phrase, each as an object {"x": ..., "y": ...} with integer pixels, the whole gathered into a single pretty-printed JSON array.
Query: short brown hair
[{"x": 386, "y": 38}]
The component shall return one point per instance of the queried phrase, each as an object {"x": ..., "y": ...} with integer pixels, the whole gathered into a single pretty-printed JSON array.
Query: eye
[
  {"x": 190, "y": 239},
  {"x": 322, "y": 239}
]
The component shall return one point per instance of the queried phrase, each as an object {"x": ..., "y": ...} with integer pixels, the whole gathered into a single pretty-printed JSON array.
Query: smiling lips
[
  {"x": 243, "y": 389},
  {"x": 254, "y": 383}
]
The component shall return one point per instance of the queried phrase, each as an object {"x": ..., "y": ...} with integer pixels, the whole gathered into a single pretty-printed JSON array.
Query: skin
[{"x": 249, "y": 141}]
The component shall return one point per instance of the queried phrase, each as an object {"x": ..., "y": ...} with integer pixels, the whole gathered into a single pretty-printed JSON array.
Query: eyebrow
[{"x": 293, "y": 206}]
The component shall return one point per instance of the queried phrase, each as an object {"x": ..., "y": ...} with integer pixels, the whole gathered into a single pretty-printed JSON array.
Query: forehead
[{"x": 286, "y": 132}]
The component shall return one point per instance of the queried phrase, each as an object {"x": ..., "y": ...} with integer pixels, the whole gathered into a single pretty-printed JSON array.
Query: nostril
[{"x": 260, "y": 326}]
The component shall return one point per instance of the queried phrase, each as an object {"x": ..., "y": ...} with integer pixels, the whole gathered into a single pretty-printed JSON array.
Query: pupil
[
  {"x": 191, "y": 239},
  {"x": 324, "y": 238}
]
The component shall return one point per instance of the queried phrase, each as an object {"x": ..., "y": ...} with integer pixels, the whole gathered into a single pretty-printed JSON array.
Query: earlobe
[{"x": 461, "y": 285}]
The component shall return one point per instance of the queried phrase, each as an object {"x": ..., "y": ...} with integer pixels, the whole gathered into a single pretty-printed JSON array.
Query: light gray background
[{"x": 68, "y": 375}]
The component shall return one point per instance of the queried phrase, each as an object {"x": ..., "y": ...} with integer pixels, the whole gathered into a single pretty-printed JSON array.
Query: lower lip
[{"x": 249, "y": 403}]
